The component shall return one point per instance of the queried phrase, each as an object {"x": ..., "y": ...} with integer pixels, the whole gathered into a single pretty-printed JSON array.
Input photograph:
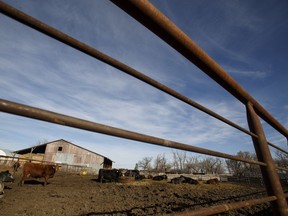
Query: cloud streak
[{"x": 44, "y": 73}]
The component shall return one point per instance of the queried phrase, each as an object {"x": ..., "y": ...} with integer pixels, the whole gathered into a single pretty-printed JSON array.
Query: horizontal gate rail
[
  {"x": 145, "y": 13},
  {"x": 153, "y": 19},
  {"x": 44, "y": 115},
  {"x": 226, "y": 207},
  {"x": 82, "y": 47}
]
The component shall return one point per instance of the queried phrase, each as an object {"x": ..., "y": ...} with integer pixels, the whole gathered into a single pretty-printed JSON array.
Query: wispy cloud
[
  {"x": 252, "y": 74},
  {"x": 42, "y": 72}
]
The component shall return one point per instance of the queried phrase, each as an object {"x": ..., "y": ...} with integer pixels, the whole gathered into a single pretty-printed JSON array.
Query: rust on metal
[
  {"x": 52, "y": 117},
  {"x": 153, "y": 19},
  {"x": 72, "y": 42},
  {"x": 270, "y": 176},
  {"x": 212, "y": 210},
  {"x": 82, "y": 47},
  {"x": 144, "y": 12}
]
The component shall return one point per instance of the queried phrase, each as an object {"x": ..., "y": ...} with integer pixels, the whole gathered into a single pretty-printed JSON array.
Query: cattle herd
[
  {"x": 36, "y": 170},
  {"x": 114, "y": 175}
]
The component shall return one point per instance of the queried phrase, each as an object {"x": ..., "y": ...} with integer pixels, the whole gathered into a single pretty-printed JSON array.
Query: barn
[{"x": 70, "y": 157}]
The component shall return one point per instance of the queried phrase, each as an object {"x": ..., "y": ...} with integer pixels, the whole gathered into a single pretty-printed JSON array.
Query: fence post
[{"x": 270, "y": 176}]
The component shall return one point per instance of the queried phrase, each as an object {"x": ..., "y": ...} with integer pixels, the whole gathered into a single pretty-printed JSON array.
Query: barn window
[{"x": 60, "y": 148}]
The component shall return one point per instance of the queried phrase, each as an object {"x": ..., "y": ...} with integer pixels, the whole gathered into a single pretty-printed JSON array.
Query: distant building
[
  {"x": 5, "y": 152},
  {"x": 7, "y": 157},
  {"x": 66, "y": 154}
]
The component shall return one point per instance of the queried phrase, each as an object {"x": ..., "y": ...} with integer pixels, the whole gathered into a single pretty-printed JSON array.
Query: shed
[
  {"x": 7, "y": 157},
  {"x": 68, "y": 155}
]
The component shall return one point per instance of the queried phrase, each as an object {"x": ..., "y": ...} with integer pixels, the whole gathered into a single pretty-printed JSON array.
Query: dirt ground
[{"x": 75, "y": 195}]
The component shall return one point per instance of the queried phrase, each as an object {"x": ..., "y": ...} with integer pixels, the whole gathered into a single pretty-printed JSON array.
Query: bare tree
[
  {"x": 239, "y": 168},
  {"x": 212, "y": 165},
  {"x": 161, "y": 164},
  {"x": 179, "y": 160},
  {"x": 192, "y": 164},
  {"x": 281, "y": 159},
  {"x": 145, "y": 163}
]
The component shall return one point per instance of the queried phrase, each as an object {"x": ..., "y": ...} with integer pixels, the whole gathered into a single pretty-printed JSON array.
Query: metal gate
[{"x": 144, "y": 12}]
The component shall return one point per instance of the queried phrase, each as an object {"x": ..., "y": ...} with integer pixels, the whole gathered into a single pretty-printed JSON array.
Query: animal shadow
[{"x": 34, "y": 182}]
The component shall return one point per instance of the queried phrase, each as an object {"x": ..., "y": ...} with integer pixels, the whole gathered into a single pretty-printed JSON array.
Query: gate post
[{"x": 270, "y": 176}]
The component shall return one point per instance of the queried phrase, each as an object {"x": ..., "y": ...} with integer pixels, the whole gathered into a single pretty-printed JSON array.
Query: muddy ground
[{"x": 72, "y": 194}]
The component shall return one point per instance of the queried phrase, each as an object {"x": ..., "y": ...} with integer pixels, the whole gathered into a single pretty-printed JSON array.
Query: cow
[
  {"x": 178, "y": 180},
  {"x": 6, "y": 176},
  {"x": 139, "y": 177},
  {"x": 134, "y": 173},
  {"x": 184, "y": 179},
  {"x": 190, "y": 180},
  {"x": 159, "y": 177},
  {"x": 1, "y": 189},
  {"x": 16, "y": 166},
  {"x": 212, "y": 181},
  {"x": 109, "y": 175},
  {"x": 33, "y": 170}
]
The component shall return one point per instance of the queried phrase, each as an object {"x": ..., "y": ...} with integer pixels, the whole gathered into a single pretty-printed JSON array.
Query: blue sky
[{"x": 248, "y": 39}]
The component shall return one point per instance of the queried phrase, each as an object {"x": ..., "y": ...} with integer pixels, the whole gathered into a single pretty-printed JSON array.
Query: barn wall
[{"x": 67, "y": 153}]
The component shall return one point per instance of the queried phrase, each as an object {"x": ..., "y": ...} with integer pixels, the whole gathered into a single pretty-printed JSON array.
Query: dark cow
[
  {"x": 109, "y": 175},
  {"x": 212, "y": 181},
  {"x": 1, "y": 189},
  {"x": 189, "y": 180},
  {"x": 132, "y": 173},
  {"x": 178, "y": 180},
  {"x": 16, "y": 166},
  {"x": 184, "y": 179},
  {"x": 139, "y": 177},
  {"x": 135, "y": 174},
  {"x": 160, "y": 177},
  {"x": 33, "y": 170},
  {"x": 6, "y": 176}
]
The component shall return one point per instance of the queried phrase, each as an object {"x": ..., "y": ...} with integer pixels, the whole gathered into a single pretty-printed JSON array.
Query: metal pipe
[
  {"x": 270, "y": 176},
  {"x": 212, "y": 210},
  {"x": 281, "y": 168},
  {"x": 274, "y": 146},
  {"x": 144, "y": 12},
  {"x": 44, "y": 115},
  {"x": 82, "y": 47}
]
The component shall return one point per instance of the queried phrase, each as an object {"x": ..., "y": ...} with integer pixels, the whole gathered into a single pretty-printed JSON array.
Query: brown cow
[
  {"x": 33, "y": 170},
  {"x": 212, "y": 181}
]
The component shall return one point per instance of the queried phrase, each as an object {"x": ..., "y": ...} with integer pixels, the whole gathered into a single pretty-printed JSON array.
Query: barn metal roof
[{"x": 41, "y": 148}]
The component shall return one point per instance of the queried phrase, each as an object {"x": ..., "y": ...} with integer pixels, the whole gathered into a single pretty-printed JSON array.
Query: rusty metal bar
[
  {"x": 272, "y": 145},
  {"x": 144, "y": 12},
  {"x": 212, "y": 210},
  {"x": 270, "y": 176},
  {"x": 282, "y": 168},
  {"x": 72, "y": 42},
  {"x": 44, "y": 115}
]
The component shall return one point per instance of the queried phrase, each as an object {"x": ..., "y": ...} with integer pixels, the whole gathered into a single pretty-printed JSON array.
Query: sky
[{"x": 247, "y": 39}]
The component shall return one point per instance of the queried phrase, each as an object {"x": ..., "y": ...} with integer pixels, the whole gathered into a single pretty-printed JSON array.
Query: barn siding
[{"x": 66, "y": 153}]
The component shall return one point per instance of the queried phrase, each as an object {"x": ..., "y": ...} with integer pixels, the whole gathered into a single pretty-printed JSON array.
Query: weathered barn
[{"x": 70, "y": 156}]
